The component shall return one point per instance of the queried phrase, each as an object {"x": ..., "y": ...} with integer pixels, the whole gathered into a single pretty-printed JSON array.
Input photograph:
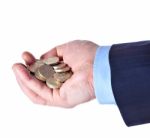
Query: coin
[
  {"x": 45, "y": 71},
  {"x": 51, "y": 60},
  {"x": 67, "y": 68},
  {"x": 59, "y": 66},
  {"x": 51, "y": 71},
  {"x": 62, "y": 77},
  {"x": 33, "y": 67},
  {"x": 38, "y": 76},
  {"x": 52, "y": 83}
]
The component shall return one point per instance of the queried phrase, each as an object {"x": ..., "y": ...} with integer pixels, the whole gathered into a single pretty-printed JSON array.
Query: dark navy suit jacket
[{"x": 130, "y": 77}]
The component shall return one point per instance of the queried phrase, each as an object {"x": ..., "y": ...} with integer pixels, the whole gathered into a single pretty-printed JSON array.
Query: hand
[{"x": 79, "y": 55}]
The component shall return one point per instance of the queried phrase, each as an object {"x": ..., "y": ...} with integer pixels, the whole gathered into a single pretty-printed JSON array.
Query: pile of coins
[{"x": 52, "y": 71}]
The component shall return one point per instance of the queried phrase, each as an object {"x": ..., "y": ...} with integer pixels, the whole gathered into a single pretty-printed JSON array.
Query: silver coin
[
  {"x": 33, "y": 67},
  {"x": 51, "y": 60},
  {"x": 59, "y": 66},
  {"x": 52, "y": 83},
  {"x": 45, "y": 71},
  {"x": 65, "y": 69},
  {"x": 62, "y": 77}
]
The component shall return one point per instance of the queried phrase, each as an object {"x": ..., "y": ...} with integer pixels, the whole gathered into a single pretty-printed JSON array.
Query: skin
[{"x": 79, "y": 55}]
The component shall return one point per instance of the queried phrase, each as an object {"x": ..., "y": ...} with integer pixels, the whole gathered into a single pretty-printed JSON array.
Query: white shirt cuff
[{"x": 102, "y": 76}]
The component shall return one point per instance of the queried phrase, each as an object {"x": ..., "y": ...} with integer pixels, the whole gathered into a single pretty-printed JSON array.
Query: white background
[{"x": 39, "y": 25}]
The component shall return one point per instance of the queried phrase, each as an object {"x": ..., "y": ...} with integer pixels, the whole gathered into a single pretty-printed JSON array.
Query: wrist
[
  {"x": 91, "y": 84},
  {"x": 91, "y": 77}
]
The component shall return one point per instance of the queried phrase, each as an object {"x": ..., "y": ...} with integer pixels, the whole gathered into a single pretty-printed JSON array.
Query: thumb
[
  {"x": 56, "y": 51},
  {"x": 50, "y": 53}
]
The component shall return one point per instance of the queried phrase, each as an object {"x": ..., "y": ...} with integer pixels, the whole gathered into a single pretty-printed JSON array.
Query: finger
[
  {"x": 30, "y": 94},
  {"x": 56, "y": 51},
  {"x": 50, "y": 53},
  {"x": 32, "y": 83},
  {"x": 58, "y": 100},
  {"x": 28, "y": 58}
]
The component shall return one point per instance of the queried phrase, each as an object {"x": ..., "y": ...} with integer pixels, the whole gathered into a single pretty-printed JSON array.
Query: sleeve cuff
[{"x": 102, "y": 76}]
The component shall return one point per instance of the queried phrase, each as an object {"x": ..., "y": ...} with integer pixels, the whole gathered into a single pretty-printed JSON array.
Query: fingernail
[{"x": 42, "y": 57}]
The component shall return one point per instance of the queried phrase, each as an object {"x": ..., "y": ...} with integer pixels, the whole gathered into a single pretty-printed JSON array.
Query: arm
[
  {"x": 127, "y": 76},
  {"x": 130, "y": 79}
]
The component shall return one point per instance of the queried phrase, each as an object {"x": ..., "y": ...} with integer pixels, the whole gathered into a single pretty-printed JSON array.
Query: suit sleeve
[{"x": 130, "y": 79}]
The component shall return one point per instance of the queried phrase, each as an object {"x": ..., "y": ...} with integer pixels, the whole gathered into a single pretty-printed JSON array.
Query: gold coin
[
  {"x": 33, "y": 67},
  {"x": 45, "y": 71},
  {"x": 62, "y": 77},
  {"x": 65, "y": 69},
  {"x": 51, "y": 60},
  {"x": 52, "y": 71},
  {"x": 38, "y": 76},
  {"x": 59, "y": 66},
  {"x": 52, "y": 83}
]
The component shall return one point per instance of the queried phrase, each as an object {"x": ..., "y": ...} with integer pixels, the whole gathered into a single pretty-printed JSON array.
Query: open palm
[{"x": 79, "y": 55}]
